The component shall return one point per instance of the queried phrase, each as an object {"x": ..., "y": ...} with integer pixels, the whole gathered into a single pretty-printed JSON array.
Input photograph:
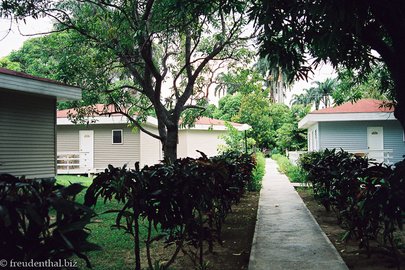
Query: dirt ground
[
  {"x": 350, "y": 252},
  {"x": 237, "y": 235}
]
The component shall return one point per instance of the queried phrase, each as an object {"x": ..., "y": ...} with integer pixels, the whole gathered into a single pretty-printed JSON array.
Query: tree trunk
[
  {"x": 397, "y": 71},
  {"x": 400, "y": 98},
  {"x": 170, "y": 144}
]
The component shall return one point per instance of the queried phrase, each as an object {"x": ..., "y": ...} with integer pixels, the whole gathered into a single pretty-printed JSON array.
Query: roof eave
[
  {"x": 26, "y": 85},
  {"x": 314, "y": 118}
]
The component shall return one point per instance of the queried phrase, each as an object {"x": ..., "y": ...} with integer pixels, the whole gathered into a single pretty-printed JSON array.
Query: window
[
  {"x": 117, "y": 136},
  {"x": 315, "y": 139}
]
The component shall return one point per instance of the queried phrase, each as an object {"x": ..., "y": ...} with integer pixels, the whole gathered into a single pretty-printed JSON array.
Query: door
[
  {"x": 86, "y": 149},
  {"x": 375, "y": 144}
]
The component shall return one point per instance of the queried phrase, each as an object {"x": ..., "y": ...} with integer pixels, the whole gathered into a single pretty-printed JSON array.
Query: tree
[
  {"x": 255, "y": 111},
  {"x": 7, "y": 63},
  {"x": 300, "y": 99},
  {"x": 64, "y": 57},
  {"x": 162, "y": 62},
  {"x": 228, "y": 107},
  {"x": 377, "y": 84},
  {"x": 320, "y": 93},
  {"x": 325, "y": 90},
  {"x": 289, "y": 136},
  {"x": 343, "y": 33}
]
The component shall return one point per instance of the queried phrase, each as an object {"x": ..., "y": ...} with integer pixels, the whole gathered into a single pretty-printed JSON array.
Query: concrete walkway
[{"x": 287, "y": 236}]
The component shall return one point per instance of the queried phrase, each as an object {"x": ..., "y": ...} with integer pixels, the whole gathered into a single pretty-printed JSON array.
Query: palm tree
[
  {"x": 319, "y": 93},
  {"x": 300, "y": 99},
  {"x": 325, "y": 90},
  {"x": 314, "y": 96}
]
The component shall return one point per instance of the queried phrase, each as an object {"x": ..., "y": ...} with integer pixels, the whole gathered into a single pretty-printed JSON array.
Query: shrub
[
  {"x": 367, "y": 200},
  {"x": 380, "y": 204},
  {"x": 40, "y": 220},
  {"x": 258, "y": 173},
  {"x": 293, "y": 172},
  {"x": 333, "y": 175},
  {"x": 188, "y": 199}
]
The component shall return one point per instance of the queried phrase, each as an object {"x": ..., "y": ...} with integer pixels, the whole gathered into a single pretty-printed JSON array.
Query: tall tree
[
  {"x": 351, "y": 86},
  {"x": 342, "y": 32},
  {"x": 321, "y": 92},
  {"x": 325, "y": 90},
  {"x": 65, "y": 58},
  {"x": 163, "y": 46}
]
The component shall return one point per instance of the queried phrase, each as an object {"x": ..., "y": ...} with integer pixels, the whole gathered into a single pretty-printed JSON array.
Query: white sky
[{"x": 14, "y": 40}]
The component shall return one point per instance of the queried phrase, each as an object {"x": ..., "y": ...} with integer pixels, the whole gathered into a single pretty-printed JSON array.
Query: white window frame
[
  {"x": 313, "y": 138},
  {"x": 112, "y": 136}
]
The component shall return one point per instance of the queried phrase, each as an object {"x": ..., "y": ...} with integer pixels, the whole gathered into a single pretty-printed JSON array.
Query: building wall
[
  {"x": 182, "y": 145},
  {"x": 352, "y": 136},
  {"x": 27, "y": 134},
  {"x": 206, "y": 141},
  {"x": 105, "y": 152},
  {"x": 150, "y": 148}
]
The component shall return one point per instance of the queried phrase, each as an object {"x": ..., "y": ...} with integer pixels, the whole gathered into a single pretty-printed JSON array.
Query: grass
[
  {"x": 293, "y": 172},
  {"x": 258, "y": 173},
  {"x": 117, "y": 247}
]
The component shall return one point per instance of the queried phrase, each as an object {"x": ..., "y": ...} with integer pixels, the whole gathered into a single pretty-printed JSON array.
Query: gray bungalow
[
  {"x": 28, "y": 123},
  {"x": 366, "y": 128}
]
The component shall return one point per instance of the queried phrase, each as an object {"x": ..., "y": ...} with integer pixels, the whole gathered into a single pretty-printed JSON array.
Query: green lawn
[{"x": 116, "y": 246}]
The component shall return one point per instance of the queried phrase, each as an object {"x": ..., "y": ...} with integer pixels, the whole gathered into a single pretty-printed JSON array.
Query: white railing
[
  {"x": 378, "y": 155},
  {"x": 69, "y": 162},
  {"x": 293, "y": 156}
]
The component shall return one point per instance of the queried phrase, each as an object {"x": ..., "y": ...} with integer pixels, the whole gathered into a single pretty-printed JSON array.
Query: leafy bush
[
  {"x": 293, "y": 172},
  {"x": 380, "y": 204},
  {"x": 40, "y": 220},
  {"x": 333, "y": 175},
  {"x": 368, "y": 201},
  {"x": 258, "y": 173},
  {"x": 188, "y": 199}
]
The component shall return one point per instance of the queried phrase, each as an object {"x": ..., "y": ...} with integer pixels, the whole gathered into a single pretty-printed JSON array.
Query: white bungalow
[{"x": 110, "y": 140}]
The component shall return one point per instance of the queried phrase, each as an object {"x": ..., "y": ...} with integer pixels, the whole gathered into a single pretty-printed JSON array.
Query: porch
[{"x": 74, "y": 163}]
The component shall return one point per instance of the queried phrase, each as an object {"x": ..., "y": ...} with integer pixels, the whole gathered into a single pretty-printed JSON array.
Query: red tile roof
[
  {"x": 361, "y": 106},
  {"x": 211, "y": 121},
  {"x": 101, "y": 109},
  {"x": 93, "y": 110},
  {"x": 27, "y": 76}
]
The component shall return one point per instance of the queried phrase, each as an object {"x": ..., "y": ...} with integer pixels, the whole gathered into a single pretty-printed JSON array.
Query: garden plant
[
  {"x": 184, "y": 202},
  {"x": 366, "y": 197}
]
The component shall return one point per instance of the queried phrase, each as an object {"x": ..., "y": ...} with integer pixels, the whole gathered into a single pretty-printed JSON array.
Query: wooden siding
[
  {"x": 104, "y": 151},
  {"x": 352, "y": 136},
  {"x": 206, "y": 141},
  {"x": 68, "y": 138},
  {"x": 151, "y": 148},
  {"x": 27, "y": 134},
  {"x": 394, "y": 139}
]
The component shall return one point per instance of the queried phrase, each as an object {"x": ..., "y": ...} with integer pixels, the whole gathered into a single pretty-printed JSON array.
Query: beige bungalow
[
  {"x": 108, "y": 139},
  {"x": 28, "y": 123}
]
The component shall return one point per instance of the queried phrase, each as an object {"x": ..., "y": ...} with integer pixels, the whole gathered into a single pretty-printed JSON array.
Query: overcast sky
[{"x": 13, "y": 40}]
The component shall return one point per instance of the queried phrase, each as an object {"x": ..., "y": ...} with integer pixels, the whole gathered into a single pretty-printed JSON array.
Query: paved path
[{"x": 287, "y": 236}]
